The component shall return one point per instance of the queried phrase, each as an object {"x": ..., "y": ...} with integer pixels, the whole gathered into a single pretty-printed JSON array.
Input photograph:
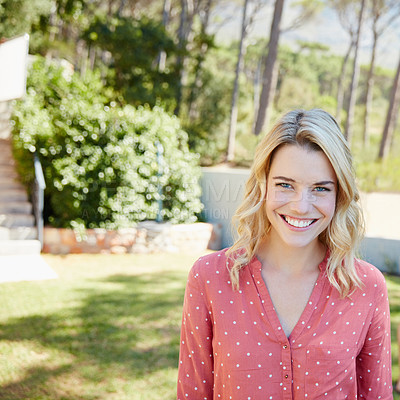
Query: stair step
[
  {"x": 9, "y": 180},
  {"x": 17, "y": 207},
  {"x": 8, "y": 171},
  {"x": 6, "y": 153},
  {"x": 17, "y": 220},
  {"x": 19, "y": 233},
  {"x": 25, "y": 247},
  {"x": 23, "y": 233},
  {"x": 7, "y": 161},
  {"x": 5, "y": 147},
  {"x": 10, "y": 184},
  {"x": 13, "y": 195}
]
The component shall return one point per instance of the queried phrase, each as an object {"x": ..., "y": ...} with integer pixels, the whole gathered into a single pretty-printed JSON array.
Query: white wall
[{"x": 223, "y": 190}]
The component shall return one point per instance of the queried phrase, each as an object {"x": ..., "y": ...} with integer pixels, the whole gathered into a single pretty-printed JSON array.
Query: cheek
[
  {"x": 276, "y": 197},
  {"x": 328, "y": 206}
]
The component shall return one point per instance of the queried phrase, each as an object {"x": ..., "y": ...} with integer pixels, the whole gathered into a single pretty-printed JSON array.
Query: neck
[{"x": 293, "y": 260}]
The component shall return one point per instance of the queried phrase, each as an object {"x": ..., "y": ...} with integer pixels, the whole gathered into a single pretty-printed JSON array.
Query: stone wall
[{"x": 147, "y": 237}]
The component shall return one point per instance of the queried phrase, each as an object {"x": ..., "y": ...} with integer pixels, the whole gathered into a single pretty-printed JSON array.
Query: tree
[
  {"x": 347, "y": 14},
  {"x": 133, "y": 46},
  {"x": 246, "y": 24},
  {"x": 391, "y": 117},
  {"x": 18, "y": 16},
  {"x": 269, "y": 78},
  {"x": 340, "y": 89},
  {"x": 383, "y": 13},
  {"x": 205, "y": 42},
  {"x": 355, "y": 77},
  {"x": 185, "y": 36},
  {"x": 265, "y": 96},
  {"x": 162, "y": 56}
]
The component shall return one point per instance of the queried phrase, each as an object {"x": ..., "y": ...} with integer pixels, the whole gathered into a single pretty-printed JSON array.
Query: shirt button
[
  {"x": 285, "y": 346},
  {"x": 286, "y": 376}
]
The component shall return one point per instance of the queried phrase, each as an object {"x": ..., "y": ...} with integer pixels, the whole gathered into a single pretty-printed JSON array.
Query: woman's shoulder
[
  {"x": 211, "y": 263},
  {"x": 370, "y": 275}
]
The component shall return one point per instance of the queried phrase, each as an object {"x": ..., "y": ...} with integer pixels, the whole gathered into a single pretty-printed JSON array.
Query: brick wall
[{"x": 147, "y": 237}]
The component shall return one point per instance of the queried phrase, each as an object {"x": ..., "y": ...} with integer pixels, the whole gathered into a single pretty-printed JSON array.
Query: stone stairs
[{"x": 18, "y": 233}]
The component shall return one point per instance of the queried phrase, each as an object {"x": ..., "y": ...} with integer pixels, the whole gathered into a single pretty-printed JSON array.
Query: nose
[{"x": 302, "y": 203}]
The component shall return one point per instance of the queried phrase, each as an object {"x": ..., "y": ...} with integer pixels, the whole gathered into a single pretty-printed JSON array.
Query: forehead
[{"x": 301, "y": 164}]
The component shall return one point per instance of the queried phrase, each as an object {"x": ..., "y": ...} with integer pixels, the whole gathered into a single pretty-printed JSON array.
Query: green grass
[
  {"x": 108, "y": 328},
  {"x": 393, "y": 284}
]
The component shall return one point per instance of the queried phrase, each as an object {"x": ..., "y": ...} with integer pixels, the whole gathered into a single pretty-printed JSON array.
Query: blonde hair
[{"x": 316, "y": 130}]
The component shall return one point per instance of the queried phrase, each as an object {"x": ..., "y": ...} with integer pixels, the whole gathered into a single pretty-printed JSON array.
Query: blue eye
[
  {"x": 322, "y": 189},
  {"x": 284, "y": 185}
]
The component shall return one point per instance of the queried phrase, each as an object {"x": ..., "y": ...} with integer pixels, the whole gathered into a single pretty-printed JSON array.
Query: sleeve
[
  {"x": 373, "y": 364},
  {"x": 195, "y": 372}
]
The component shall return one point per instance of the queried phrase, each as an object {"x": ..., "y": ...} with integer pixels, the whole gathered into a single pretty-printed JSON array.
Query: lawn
[{"x": 108, "y": 328}]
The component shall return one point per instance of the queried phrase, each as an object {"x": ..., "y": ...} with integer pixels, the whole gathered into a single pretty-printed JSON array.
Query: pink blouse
[{"x": 233, "y": 346}]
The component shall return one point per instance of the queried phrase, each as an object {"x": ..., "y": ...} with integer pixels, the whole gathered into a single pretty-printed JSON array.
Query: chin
[{"x": 298, "y": 243}]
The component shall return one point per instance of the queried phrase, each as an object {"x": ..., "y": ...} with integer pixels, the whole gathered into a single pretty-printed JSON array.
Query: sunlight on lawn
[{"x": 108, "y": 328}]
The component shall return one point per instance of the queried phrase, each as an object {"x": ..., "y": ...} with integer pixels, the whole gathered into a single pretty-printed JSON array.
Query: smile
[{"x": 298, "y": 223}]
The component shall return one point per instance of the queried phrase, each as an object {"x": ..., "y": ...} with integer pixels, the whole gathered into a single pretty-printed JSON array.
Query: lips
[{"x": 298, "y": 223}]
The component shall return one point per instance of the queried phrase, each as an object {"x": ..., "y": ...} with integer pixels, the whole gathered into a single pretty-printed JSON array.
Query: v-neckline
[{"x": 269, "y": 307}]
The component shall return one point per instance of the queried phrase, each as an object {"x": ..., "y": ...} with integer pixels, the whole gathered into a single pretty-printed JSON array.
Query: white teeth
[{"x": 297, "y": 222}]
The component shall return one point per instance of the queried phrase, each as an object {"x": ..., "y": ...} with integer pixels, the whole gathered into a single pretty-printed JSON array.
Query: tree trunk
[
  {"x": 256, "y": 89},
  {"x": 162, "y": 56},
  {"x": 274, "y": 84},
  {"x": 265, "y": 97},
  {"x": 121, "y": 8},
  {"x": 369, "y": 89},
  {"x": 274, "y": 99},
  {"x": 185, "y": 27},
  {"x": 203, "y": 50},
  {"x": 230, "y": 155},
  {"x": 340, "y": 90},
  {"x": 391, "y": 117},
  {"x": 354, "y": 79}
]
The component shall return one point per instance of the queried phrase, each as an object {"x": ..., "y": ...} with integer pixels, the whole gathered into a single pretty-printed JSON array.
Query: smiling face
[{"x": 301, "y": 195}]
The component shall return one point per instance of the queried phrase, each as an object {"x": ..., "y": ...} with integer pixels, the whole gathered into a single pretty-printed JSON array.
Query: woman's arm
[
  {"x": 373, "y": 364},
  {"x": 195, "y": 376}
]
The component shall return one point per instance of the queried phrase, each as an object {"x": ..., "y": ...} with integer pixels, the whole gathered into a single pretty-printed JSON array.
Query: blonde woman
[{"x": 288, "y": 312}]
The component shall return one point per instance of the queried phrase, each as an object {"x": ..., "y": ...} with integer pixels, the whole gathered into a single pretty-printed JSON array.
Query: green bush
[{"x": 99, "y": 159}]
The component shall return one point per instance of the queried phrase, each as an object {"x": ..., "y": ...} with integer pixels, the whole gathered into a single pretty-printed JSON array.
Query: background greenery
[
  {"x": 100, "y": 160},
  {"x": 115, "y": 75}
]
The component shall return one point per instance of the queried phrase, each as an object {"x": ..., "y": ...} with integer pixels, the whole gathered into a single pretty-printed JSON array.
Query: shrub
[{"x": 99, "y": 159}]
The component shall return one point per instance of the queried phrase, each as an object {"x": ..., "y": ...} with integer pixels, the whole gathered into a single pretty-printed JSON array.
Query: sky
[{"x": 325, "y": 29}]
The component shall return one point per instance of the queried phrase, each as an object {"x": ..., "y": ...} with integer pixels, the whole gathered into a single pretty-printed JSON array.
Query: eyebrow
[{"x": 321, "y": 183}]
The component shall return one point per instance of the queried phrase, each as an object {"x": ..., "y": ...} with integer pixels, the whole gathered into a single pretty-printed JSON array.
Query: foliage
[
  {"x": 134, "y": 46},
  {"x": 100, "y": 160},
  {"x": 295, "y": 93},
  {"x": 379, "y": 176},
  {"x": 18, "y": 16},
  {"x": 124, "y": 38},
  {"x": 208, "y": 128}
]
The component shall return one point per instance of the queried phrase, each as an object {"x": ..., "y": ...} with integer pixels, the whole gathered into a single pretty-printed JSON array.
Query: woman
[{"x": 288, "y": 312}]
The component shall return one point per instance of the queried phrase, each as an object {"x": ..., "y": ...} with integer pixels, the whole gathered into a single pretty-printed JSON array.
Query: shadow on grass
[{"x": 123, "y": 326}]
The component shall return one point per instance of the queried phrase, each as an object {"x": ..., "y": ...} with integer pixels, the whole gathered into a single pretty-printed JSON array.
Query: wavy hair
[{"x": 316, "y": 130}]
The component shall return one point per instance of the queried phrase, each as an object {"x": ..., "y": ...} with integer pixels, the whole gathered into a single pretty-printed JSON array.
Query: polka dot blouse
[{"x": 233, "y": 346}]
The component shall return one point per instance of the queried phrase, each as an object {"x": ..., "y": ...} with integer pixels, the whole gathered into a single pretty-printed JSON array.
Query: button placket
[{"x": 286, "y": 367}]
